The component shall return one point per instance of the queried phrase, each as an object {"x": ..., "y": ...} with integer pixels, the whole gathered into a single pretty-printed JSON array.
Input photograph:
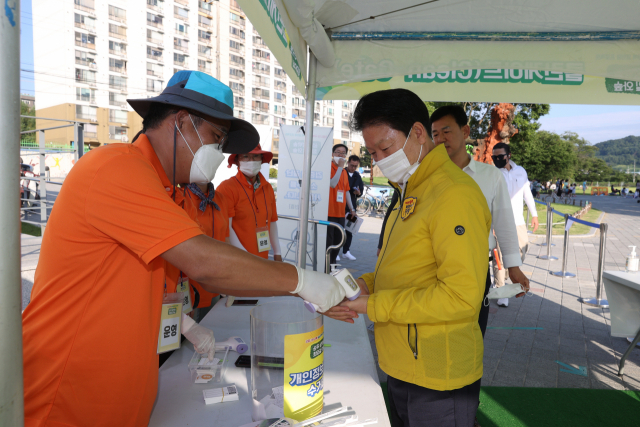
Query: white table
[
  {"x": 350, "y": 376},
  {"x": 623, "y": 294}
]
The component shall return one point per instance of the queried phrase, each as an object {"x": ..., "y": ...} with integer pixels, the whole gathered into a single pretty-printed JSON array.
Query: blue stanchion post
[
  {"x": 549, "y": 231},
  {"x": 565, "y": 251}
]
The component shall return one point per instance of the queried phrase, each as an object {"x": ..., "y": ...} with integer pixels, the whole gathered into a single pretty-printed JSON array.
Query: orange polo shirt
[
  {"x": 90, "y": 333},
  {"x": 213, "y": 223},
  {"x": 249, "y": 208},
  {"x": 336, "y": 209}
]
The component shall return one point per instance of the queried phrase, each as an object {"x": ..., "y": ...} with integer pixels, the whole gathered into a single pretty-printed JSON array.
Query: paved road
[{"x": 574, "y": 334}]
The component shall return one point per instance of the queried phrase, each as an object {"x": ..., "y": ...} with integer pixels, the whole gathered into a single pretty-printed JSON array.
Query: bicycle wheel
[
  {"x": 363, "y": 205},
  {"x": 387, "y": 202}
]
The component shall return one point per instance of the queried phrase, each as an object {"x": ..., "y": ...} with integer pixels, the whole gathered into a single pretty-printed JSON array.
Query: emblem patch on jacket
[
  {"x": 459, "y": 230},
  {"x": 408, "y": 207}
]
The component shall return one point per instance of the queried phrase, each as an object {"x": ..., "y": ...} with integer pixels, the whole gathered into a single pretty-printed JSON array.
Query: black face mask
[{"x": 500, "y": 163}]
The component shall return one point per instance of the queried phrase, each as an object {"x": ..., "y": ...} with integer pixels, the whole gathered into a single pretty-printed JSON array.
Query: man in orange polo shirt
[
  {"x": 92, "y": 329},
  {"x": 339, "y": 197},
  {"x": 208, "y": 209},
  {"x": 252, "y": 205}
]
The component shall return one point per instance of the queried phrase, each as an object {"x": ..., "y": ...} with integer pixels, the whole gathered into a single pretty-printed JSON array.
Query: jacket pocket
[{"x": 412, "y": 339}]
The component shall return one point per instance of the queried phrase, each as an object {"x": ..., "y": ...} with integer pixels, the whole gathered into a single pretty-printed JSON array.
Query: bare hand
[
  {"x": 277, "y": 258},
  {"x": 359, "y": 305},
  {"x": 378, "y": 253},
  {"x": 534, "y": 223},
  {"x": 517, "y": 276},
  {"x": 344, "y": 314},
  {"x": 364, "y": 289},
  {"x": 341, "y": 162},
  {"x": 356, "y": 191}
]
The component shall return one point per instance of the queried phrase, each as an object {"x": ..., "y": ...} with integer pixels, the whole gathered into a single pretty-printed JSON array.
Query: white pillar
[
  {"x": 11, "y": 388},
  {"x": 305, "y": 187}
]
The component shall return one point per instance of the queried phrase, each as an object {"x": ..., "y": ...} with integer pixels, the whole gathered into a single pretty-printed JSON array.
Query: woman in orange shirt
[
  {"x": 339, "y": 197},
  {"x": 252, "y": 205}
]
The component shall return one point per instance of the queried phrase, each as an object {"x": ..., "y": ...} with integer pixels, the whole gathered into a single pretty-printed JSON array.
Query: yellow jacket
[{"x": 427, "y": 289}]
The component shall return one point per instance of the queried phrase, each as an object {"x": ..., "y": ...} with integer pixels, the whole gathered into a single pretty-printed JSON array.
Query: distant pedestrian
[{"x": 356, "y": 188}]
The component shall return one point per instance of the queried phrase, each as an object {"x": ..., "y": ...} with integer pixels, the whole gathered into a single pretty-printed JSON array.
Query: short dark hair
[
  {"x": 335, "y": 147},
  {"x": 453, "y": 110},
  {"x": 156, "y": 115},
  {"x": 397, "y": 108},
  {"x": 354, "y": 157},
  {"x": 502, "y": 145}
]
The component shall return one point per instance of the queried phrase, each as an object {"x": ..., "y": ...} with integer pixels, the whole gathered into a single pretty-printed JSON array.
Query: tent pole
[
  {"x": 305, "y": 186},
  {"x": 11, "y": 385}
]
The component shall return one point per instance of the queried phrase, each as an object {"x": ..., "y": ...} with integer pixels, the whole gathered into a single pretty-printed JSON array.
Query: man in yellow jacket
[{"x": 426, "y": 292}]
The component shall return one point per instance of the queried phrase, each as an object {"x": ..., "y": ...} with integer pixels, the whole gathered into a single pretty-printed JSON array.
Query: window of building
[
  {"x": 118, "y": 133},
  {"x": 154, "y": 85},
  {"x": 85, "y": 76},
  {"x": 154, "y": 53},
  {"x": 328, "y": 121},
  {"x": 84, "y": 21},
  {"x": 235, "y": 46},
  {"x": 261, "y": 54},
  {"x": 236, "y": 32},
  {"x": 117, "y": 13},
  {"x": 204, "y": 66},
  {"x": 180, "y": 12},
  {"x": 280, "y": 85},
  {"x": 117, "y": 98},
  {"x": 87, "y": 59},
  {"x": 90, "y": 130},
  {"x": 204, "y": 50},
  {"x": 279, "y": 72},
  {"x": 85, "y": 94},
  {"x": 235, "y": 72},
  {"x": 345, "y": 124},
  {"x": 156, "y": 3},
  {"x": 330, "y": 111},
  {"x": 204, "y": 36},
  {"x": 86, "y": 112},
  {"x": 118, "y": 65},
  {"x": 181, "y": 43},
  {"x": 155, "y": 69},
  {"x": 85, "y": 4},
  {"x": 260, "y": 119},
  {"x": 118, "y": 116},
  {"x": 179, "y": 59},
  {"x": 345, "y": 104},
  {"x": 236, "y": 19},
  {"x": 279, "y": 109},
  {"x": 117, "y": 30},
  {"x": 280, "y": 97},
  {"x": 345, "y": 134},
  {"x": 204, "y": 21},
  {"x": 85, "y": 40},
  {"x": 239, "y": 114},
  {"x": 259, "y": 67},
  {"x": 117, "y": 48},
  {"x": 261, "y": 80},
  {"x": 204, "y": 6},
  {"x": 237, "y": 88},
  {"x": 238, "y": 101},
  {"x": 236, "y": 59},
  {"x": 182, "y": 29},
  {"x": 117, "y": 82},
  {"x": 257, "y": 40}
]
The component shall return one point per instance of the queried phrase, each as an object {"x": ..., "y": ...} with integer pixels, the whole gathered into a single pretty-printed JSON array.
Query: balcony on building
[
  {"x": 261, "y": 107},
  {"x": 117, "y": 99},
  {"x": 86, "y": 77},
  {"x": 299, "y": 113},
  {"x": 238, "y": 114},
  {"x": 155, "y": 54},
  {"x": 259, "y": 68},
  {"x": 204, "y": 51},
  {"x": 204, "y": 37},
  {"x": 237, "y": 88},
  {"x": 85, "y": 40},
  {"x": 204, "y": 69},
  {"x": 280, "y": 97},
  {"x": 204, "y": 7},
  {"x": 234, "y": 5},
  {"x": 236, "y": 60},
  {"x": 154, "y": 21},
  {"x": 85, "y": 22},
  {"x": 86, "y": 112},
  {"x": 234, "y": 46},
  {"x": 88, "y": 6},
  {"x": 279, "y": 110},
  {"x": 180, "y": 13},
  {"x": 238, "y": 102},
  {"x": 181, "y": 44},
  {"x": 118, "y": 65},
  {"x": 261, "y": 55},
  {"x": 328, "y": 121},
  {"x": 154, "y": 85},
  {"x": 236, "y": 33},
  {"x": 117, "y": 31},
  {"x": 236, "y": 19},
  {"x": 84, "y": 94},
  {"x": 345, "y": 125},
  {"x": 119, "y": 116},
  {"x": 278, "y": 85},
  {"x": 155, "y": 70},
  {"x": 259, "y": 42},
  {"x": 236, "y": 74},
  {"x": 259, "y": 119},
  {"x": 156, "y": 6},
  {"x": 205, "y": 22},
  {"x": 279, "y": 73},
  {"x": 118, "y": 49},
  {"x": 183, "y": 2},
  {"x": 118, "y": 83},
  {"x": 261, "y": 81},
  {"x": 295, "y": 90},
  {"x": 86, "y": 59},
  {"x": 179, "y": 60},
  {"x": 117, "y": 14}
]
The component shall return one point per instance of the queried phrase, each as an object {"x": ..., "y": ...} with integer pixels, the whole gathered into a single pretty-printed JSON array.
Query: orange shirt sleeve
[
  {"x": 230, "y": 193},
  {"x": 135, "y": 209},
  {"x": 274, "y": 210}
]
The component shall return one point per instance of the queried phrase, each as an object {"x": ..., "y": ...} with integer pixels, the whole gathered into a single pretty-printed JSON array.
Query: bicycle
[{"x": 371, "y": 202}]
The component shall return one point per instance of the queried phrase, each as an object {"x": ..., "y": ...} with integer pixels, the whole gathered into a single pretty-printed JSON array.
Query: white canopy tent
[{"x": 561, "y": 51}]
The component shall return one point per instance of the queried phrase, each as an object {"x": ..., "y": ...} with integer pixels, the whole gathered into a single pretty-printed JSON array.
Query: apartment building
[{"x": 91, "y": 55}]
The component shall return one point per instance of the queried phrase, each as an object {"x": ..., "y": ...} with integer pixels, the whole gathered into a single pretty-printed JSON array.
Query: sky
[{"x": 595, "y": 123}]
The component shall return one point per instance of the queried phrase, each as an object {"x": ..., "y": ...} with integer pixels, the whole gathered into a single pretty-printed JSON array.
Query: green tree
[
  {"x": 365, "y": 157},
  {"x": 26, "y": 123},
  {"x": 548, "y": 156}
]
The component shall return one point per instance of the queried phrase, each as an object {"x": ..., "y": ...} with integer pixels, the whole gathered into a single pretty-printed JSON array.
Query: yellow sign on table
[{"x": 303, "y": 374}]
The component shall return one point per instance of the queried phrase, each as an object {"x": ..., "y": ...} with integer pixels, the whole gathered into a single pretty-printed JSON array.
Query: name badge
[
  {"x": 340, "y": 196},
  {"x": 170, "y": 323},
  {"x": 264, "y": 243},
  {"x": 183, "y": 286}
]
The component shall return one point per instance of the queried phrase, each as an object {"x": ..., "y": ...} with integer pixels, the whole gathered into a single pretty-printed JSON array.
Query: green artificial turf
[
  {"x": 533, "y": 407},
  {"x": 31, "y": 229}
]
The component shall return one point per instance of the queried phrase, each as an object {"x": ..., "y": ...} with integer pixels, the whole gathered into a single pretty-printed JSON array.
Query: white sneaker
[
  {"x": 349, "y": 256},
  {"x": 338, "y": 258},
  {"x": 630, "y": 339},
  {"x": 503, "y": 302}
]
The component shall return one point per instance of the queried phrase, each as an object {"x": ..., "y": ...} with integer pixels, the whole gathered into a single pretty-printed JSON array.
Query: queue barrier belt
[{"x": 574, "y": 219}]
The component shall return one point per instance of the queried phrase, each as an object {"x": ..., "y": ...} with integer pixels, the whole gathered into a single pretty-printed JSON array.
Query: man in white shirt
[
  {"x": 518, "y": 187},
  {"x": 449, "y": 127}
]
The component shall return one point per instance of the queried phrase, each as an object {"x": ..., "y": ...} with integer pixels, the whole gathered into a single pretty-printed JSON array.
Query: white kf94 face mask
[
  {"x": 396, "y": 166},
  {"x": 250, "y": 168},
  {"x": 206, "y": 159},
  {"x": 506, "y": 291}
]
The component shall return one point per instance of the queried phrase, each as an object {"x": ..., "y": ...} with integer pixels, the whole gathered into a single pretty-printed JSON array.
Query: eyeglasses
[
  {"x": 499, "y": 157},
  {"x": 340, "y": 153},
  {"x": 224, "y": 139}
]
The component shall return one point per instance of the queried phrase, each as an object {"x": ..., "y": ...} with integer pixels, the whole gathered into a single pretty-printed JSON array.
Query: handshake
[{"x": 336, "y": 296}]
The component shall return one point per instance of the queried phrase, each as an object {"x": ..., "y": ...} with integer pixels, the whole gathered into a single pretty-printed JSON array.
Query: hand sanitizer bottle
[{"x": 632, "y": 261}]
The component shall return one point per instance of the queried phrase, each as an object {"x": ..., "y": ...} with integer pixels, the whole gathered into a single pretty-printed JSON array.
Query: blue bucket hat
[{"x": 199, "y": 92}]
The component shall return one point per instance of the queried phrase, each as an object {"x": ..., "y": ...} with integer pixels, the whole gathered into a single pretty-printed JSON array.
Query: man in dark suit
[{"x": 357, "y": 187}]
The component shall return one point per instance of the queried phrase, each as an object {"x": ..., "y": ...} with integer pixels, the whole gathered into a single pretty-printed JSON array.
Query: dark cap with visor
[{"x": 201, "y": 93}]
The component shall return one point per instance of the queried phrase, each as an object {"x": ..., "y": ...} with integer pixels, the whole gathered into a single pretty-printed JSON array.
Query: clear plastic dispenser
[{"x": 287, "y": 360}]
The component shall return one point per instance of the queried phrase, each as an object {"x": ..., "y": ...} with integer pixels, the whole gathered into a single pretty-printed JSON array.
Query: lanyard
[
  {"x": 255, "y": 218},
  {"x": 213, "y": 212}
]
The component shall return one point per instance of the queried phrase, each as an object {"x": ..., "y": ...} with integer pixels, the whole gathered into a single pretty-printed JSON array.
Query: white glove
[
  {"x": 201, "y": 337},
  {"x": 321, "y": 289}
]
